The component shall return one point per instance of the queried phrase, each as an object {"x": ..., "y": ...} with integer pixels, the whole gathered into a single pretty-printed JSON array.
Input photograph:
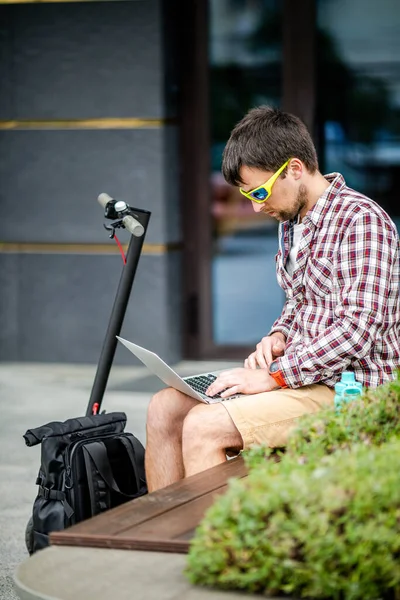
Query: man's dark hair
[{"x": 265, "y": 139}]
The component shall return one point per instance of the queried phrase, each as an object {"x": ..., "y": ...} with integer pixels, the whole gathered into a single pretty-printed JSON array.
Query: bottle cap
[{"x": 348, "y": 377}]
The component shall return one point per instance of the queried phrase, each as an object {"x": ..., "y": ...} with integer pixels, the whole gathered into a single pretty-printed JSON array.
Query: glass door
[
  {"x": 358, "y": 99},
  {"x": 245, "y": 70}
]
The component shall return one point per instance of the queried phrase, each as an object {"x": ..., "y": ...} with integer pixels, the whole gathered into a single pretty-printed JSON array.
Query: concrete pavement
[
  {"x": 66, "y": 573},
  {"x": 33, "y": 394}
]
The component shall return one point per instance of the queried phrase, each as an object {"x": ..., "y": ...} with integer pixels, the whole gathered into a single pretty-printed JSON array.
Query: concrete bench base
[{"x": 71, "y": 573}]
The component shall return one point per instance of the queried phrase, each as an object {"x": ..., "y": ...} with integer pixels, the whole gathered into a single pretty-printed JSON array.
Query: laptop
[{"x": 194, "y": 386}]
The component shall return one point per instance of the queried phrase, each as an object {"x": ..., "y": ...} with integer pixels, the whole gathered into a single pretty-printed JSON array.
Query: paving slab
[
  {"x": 32, "y": 394},
  {"x": 65, "y": 573}
]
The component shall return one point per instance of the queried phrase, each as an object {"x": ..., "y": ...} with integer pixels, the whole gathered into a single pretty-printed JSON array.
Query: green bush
[
  {"x": 331, "y": 531},
  {"x": 372, "y": 420},
  {"x": 324, "y": 522}
]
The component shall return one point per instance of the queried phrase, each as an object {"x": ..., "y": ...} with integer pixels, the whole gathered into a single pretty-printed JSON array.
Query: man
[{"x": 338, "y": 264}]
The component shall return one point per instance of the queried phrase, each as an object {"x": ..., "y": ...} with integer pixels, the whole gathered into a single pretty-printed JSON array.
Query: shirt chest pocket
[{"x": 318, "y": 278}]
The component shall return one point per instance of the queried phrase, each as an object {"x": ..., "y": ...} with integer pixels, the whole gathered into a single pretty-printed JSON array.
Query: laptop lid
[{"x": 158, "y": 367}]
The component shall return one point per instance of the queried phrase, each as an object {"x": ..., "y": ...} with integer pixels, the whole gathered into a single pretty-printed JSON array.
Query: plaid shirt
[{"x": 342, "y": 309}]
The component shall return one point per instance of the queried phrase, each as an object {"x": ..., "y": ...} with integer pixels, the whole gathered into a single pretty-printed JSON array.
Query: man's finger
[
  {"x": 278, "y": 348},
  {"x": 261, "y": 359},
  {"x": 226, "y": 380},
  {"x": 251, "y": 360},
  {"x": 230, "y": 391},
  {"x": 221, "y": 383},
  {"x": 267, "y": 352}
]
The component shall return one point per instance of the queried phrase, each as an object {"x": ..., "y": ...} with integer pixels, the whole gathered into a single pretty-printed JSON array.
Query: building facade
[{"x": 136, "y": 98}]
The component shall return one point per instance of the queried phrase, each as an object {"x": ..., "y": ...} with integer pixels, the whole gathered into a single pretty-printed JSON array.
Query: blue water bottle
[{"x": 347, "y": 389}]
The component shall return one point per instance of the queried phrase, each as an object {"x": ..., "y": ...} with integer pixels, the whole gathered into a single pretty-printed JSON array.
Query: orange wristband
[{"x": 280, "y": 380}]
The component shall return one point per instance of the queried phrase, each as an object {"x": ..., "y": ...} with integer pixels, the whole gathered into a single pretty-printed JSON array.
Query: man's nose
[{"x": 257, "y": 207}]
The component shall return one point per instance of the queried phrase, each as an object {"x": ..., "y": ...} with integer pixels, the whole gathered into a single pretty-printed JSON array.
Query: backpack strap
[
  {"x": 96, "y": 461},
  {"x": 131, "y": 453},
  {"x": 50, "y": 494},
  {"x": 96, "y": 451}
]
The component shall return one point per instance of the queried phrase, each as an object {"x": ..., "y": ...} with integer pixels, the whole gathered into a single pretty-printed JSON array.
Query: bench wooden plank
[
  {"x": 176, "y": 510},
  {"x": 99, "y": 541},
  {"x": 165, "y": 531},
  {"x": 178, "y": 521}
]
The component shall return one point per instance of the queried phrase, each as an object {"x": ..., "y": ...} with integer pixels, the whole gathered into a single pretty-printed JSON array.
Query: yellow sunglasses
[{"x": 263, "y": 192}]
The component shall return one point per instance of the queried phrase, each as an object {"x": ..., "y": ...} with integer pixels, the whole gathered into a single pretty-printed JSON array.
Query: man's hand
[
  {"x": 242, "y": 381},
  {"x": 270, "y": 347}
]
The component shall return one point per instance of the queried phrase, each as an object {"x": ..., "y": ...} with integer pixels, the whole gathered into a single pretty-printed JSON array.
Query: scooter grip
[
  {"x": 133, "y": 226},
  {"x": 103, "y": 199}
]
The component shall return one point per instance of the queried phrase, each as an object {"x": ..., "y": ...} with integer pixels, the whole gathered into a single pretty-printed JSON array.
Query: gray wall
[{"x": 61, "y": 61}]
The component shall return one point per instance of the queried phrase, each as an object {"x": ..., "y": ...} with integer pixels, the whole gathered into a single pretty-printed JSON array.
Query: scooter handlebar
[
  {"x": 133, "y": 226},
  {"x": 130, "y": 223},
  {"x": 103, "y": 199}
]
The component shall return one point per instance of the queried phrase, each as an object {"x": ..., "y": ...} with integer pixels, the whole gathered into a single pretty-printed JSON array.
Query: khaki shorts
[{"x": 267, "y": 418}]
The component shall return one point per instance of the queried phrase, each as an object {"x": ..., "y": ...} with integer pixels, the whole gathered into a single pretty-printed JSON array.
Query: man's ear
[{"x": 296, "y": 168}]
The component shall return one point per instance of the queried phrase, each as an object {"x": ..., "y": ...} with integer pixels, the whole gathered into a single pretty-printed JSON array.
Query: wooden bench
[{"x": 163, "y": 521}]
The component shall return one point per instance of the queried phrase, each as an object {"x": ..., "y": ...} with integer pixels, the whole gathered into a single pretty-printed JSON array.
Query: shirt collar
[{"x": 321, "y": 207}]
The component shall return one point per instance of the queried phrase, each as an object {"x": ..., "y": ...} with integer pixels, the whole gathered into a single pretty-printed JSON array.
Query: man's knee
[
  {"x": 167, "y": 409},
  {"x": 161, "y": 411},
  {"x": 209, "y": 426}
]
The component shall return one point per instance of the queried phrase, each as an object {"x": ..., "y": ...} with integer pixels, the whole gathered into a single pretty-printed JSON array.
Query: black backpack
[{"x": 88, "y": 465}]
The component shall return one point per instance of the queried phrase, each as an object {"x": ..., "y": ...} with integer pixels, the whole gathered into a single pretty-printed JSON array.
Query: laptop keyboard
[{"x": 200, "y": 383}]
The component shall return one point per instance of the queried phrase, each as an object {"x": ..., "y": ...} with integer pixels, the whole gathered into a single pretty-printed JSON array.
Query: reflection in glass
[
  {"x": 358, "y": 96},
  {"x": 245, "y": 71}
]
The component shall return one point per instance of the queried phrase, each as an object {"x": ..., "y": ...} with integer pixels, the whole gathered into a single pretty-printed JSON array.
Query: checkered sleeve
[
  {"x": 367, "y": 261},
  {"x": 284, "y": 322}
]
